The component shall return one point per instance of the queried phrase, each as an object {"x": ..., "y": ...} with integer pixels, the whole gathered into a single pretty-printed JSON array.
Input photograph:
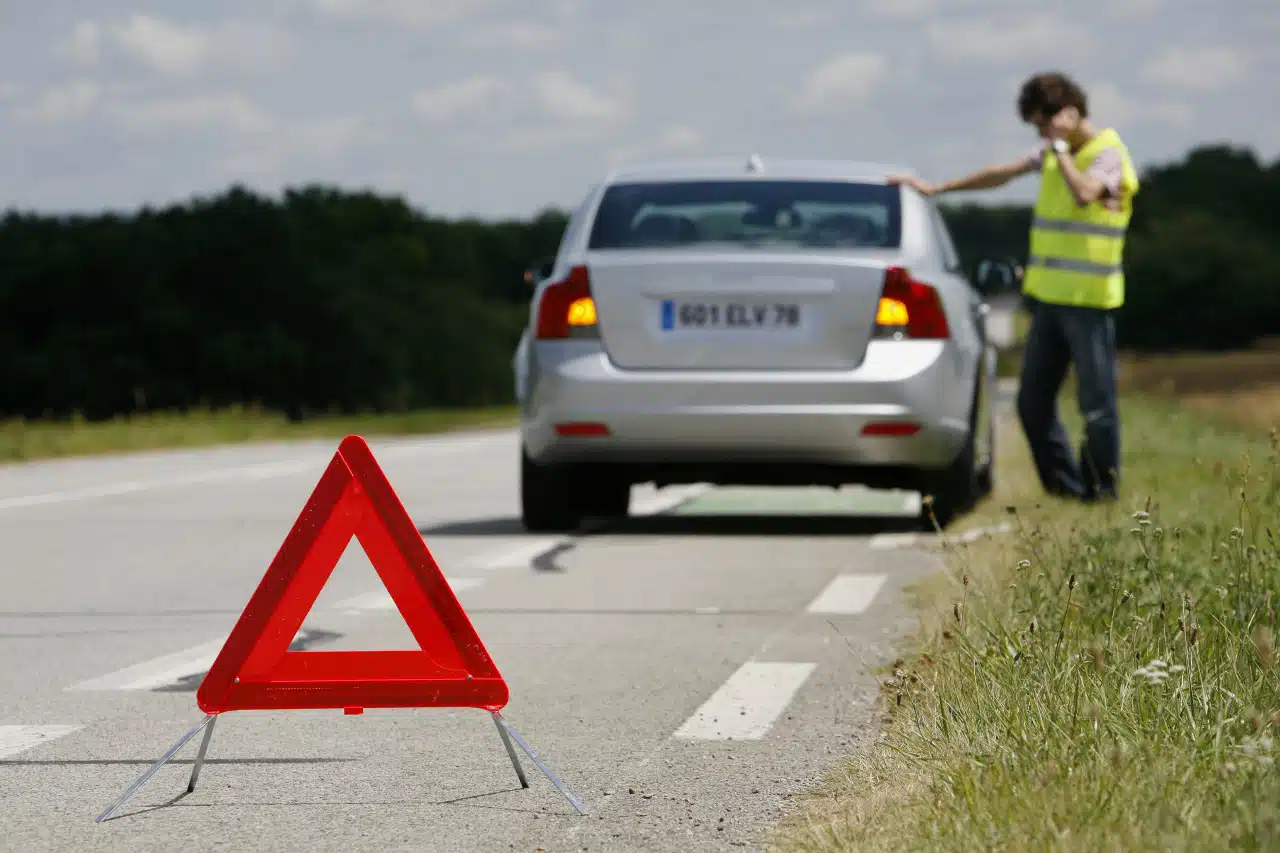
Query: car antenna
[{"x": 754, "y": 164}]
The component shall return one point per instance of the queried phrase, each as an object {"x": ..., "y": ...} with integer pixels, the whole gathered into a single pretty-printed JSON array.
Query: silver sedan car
[{"x": 753, "y": 322}]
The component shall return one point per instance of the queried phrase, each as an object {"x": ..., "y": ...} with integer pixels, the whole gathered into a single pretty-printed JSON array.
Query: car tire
[
  {"x": 959, "y": 486},
  {"x": 987, "y": 473},
  {"x": 604, "y": 495},
  {"x": 548, "y": 499}
]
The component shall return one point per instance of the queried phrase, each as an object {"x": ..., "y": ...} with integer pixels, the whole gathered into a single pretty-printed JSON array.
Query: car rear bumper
[{"x": 669, "y": 418}]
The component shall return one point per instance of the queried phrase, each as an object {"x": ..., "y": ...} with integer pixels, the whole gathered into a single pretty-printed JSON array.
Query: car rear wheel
[
  {"x": 548, "y": 499},
  {"x": 960, "y": 485},
  {"x": 604, "y": 494}
]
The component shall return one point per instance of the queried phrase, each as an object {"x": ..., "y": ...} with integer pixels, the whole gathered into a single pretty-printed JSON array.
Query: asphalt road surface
[{"x": 682, "y": 673}]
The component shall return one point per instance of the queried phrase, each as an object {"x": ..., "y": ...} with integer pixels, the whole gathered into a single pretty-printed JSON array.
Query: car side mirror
[
  {"x": 997, "y": 277},
  {"x": 538, "y": 271}
]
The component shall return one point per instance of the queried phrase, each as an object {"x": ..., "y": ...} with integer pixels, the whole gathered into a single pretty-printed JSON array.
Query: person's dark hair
[{"x": 1048, "y": 93}]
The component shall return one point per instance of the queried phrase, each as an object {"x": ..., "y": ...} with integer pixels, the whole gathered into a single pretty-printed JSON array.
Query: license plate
[{"x": 730, "y": 315}]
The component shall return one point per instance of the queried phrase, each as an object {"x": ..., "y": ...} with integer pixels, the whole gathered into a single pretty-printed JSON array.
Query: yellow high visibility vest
[{"x": 1077, "y": 251}]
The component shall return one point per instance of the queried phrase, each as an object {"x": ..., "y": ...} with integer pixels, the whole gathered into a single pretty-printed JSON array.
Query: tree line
[{"x": 325, "y": 301}]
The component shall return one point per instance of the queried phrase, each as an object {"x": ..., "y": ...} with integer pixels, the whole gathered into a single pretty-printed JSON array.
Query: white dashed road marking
[
  {"x": 170, "y": 669},
  {"x": 847, "y": 594},
  {"x": 746, "y": 706},
  {"x": 15, "y": 739}
]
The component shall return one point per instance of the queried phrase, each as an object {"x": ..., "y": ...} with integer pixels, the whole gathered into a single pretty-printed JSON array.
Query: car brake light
[
  {"x": 898, "y": 429},
  {"x": 567, "y": 309},
  {"x": 910, "y": 307},
  {"x": 585, "y": 429}
]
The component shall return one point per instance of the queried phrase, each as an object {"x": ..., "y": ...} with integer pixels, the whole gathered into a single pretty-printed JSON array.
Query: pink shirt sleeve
[{"x": 1107, "y": 167}]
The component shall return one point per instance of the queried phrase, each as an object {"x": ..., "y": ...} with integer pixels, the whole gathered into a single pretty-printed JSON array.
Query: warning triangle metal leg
[
  {"x": 162, "y": 761},
  {"x": 508, "y": 732},
  {"x": 505, "y": 730}
]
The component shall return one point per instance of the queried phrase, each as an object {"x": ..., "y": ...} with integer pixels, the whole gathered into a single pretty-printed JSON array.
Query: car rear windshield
[{"x": 748, "y": 214}]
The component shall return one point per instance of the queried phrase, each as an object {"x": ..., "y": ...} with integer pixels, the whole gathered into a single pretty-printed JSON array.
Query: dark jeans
[{"x": 1061, "y": 335}]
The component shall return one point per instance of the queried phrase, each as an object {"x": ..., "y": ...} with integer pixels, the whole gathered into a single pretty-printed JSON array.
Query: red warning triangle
[{"x": 255, "y": 669}]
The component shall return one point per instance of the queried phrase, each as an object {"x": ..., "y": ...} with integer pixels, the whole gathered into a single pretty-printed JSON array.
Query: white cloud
[
  {"x": 1108, "y": 105},
  {"x": 792, "y": 18},
  {"x": 841, "y": 82},
  {"x": 1040, "y": 37},
  {"x": 680, "y": 140},
  {"x": 549, "y": 106},
  {"x": 62, "y": 103},
  {"x": 164, "y": 47},
  {"x": 1197, "y": 69},
  {"x": 412, "y": 13},
  {"x": 173, "y": 49},
  {"x": 905, "y": 10},
  {"x": 300, "y": 146},
  {"x": 512, "y": 35},
  {"x": 84, "y": 45},
  {"x": 231, "y": 112},
  {"x": 475, "y": 97},
  {"x": 569, "y": 99},
  {"x": 1133, "y": 8}
]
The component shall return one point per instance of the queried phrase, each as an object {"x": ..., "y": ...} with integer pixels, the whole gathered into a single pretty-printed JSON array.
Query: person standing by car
[{"x": 1074, "y": 280}]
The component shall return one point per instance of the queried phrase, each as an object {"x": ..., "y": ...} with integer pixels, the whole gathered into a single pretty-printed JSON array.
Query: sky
[{"x": 500, "y": 108}]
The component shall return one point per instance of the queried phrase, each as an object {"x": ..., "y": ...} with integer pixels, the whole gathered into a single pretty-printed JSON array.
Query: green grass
[
  {"x": 1102, "y": 679},
  {"x": 21, "y": 441}
]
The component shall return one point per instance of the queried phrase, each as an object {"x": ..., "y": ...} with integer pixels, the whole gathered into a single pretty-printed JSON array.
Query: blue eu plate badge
[{"x": 668, "y": 314}]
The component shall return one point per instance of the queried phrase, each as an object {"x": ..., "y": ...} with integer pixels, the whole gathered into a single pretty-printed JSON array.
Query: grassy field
[
  {"x": 1105, "y": 678},
  {"x": 20, "y": 441}
]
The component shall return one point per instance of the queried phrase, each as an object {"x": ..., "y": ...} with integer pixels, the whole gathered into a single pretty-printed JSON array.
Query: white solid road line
[
  {"x": 169, "y": 669},
  {"x": 885, "y": 541},
  {"x": 380, "y": 599},
  {"x": 515, "y": 558},
  {"x": 15, "y": 739},
  {"x": 746, "y": 706},
  {"x": 667, "y": 499},
  {"x": 159, "y": 671},
  {"x": 263, "y": 471},
  {"x": 847, "y": 594},
  {"x": 523, "y": 556}
]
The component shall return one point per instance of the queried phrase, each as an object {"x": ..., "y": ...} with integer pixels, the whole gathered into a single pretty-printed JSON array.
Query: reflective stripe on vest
[{"x": 1076, "y": 250}]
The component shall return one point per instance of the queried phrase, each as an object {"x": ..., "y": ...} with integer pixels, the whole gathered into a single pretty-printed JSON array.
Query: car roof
[{"x": 725, "y": 168}]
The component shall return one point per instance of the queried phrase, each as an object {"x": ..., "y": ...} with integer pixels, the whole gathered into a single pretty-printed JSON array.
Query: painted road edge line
[
  {"x": 156, "y": 672},
  {"x": 524, "y": 556},
  {"x": 380, "y": 599},
  {"x": 848, "y": 594},
  {"x": 520, "y": 557},
  {"x": 16, "y": 739},
  {"x": 886, "y": 541},
  {"x": 748, "y": 703},
  {"x": 260, "y": 471}
]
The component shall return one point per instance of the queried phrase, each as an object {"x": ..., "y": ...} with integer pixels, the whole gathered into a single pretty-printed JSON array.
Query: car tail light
[
  {"x": 910, "y": 307},
  {"x": 898, "y": 429},
  {"x": 582, "y": 429},
  {"x": 567, "y": 309}
]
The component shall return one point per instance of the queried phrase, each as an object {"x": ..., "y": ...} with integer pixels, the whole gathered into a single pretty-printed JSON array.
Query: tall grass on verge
[{"x": 1105, "y": 679}]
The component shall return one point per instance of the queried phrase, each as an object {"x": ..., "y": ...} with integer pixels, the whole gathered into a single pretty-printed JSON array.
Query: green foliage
[
  {"x": 322, "y": 301},
  {"x": 347, "y": 302},
  {"x": 1101, "y": 679},
  {"x": 1202, "y": 261}
]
